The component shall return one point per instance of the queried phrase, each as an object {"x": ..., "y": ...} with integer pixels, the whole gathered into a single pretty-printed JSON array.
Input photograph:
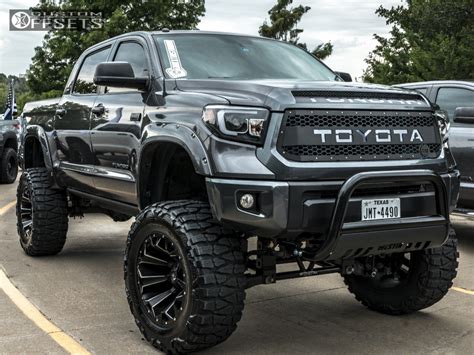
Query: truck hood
[{"x": 279, "y": 95}]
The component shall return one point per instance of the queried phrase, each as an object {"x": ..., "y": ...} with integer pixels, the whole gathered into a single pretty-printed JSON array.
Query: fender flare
[
  {"x": 37, "y": 132},
  {"x": 7, "y": 136},
  {"x": 178, "y": 134}
]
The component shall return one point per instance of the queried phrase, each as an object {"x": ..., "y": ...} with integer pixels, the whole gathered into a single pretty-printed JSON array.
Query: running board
[{"x": 117, "y": 206}]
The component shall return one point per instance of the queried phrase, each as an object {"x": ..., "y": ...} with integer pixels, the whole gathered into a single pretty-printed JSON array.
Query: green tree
[
  {"x": 429, "y": 40},
  {"x": 60, "y": 49},
  {"x": 283, "y": 26}
]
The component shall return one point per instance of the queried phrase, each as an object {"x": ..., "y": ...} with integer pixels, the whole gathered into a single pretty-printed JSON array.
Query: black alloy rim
[
  {"x": 26, "y": 214},
  {"x": 161, "y": 280}
]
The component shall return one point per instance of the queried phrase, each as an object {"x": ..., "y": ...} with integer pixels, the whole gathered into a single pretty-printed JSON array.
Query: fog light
[{"x": 247, "y": 201}]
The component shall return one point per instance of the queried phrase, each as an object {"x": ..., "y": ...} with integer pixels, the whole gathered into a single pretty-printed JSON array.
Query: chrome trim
[{"x": 108, "y": 173}]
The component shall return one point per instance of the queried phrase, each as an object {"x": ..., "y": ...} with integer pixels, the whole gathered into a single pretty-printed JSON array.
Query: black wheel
[
  {"x": 8, "y": 166},
  {"x": 42, "y": 215},
  {"x": 184, "y": 277},
  {"x": 407, "y": 282}
]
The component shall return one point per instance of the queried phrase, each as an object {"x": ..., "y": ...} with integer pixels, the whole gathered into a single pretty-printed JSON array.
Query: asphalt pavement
[{"x": 81, "y": 291}]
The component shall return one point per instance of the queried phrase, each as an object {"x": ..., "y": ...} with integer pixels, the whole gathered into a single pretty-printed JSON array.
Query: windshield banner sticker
[{"x": 176, "y": 70}]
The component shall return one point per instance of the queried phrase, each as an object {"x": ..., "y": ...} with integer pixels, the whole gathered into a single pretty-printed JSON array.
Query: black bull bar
[{"x": 385, "y": 236}]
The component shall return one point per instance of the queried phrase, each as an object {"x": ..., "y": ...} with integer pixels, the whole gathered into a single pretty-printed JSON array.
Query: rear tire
[
  {"x": 42, "y": 214},
  {"x": 184, "y": 277},
  {"x": 8, "y": 166},
  {"x": 427, "y": 278}
]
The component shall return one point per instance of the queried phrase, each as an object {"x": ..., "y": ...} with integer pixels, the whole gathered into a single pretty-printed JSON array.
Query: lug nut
[{"x": 247, "y": 201}]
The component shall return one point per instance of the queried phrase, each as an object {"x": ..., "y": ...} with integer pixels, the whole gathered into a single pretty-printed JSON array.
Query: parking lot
[{"x": 81, "y": 292}]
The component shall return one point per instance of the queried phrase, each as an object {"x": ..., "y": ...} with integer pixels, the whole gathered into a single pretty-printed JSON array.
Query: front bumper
[{"x": 307, "y": 209}]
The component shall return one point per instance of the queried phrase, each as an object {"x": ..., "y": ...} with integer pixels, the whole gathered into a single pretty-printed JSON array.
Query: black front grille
[
  {"x": 344, "y": 140},
  {"x": 358, "y": 119},
  {"x": 365, "y": 152}
]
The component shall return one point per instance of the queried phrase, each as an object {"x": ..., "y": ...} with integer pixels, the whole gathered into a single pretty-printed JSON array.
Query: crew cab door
[
  {"x": 116, "y": 127},
  {"x": 461, "y": 136},
  {"x": 72, "y": 123}
]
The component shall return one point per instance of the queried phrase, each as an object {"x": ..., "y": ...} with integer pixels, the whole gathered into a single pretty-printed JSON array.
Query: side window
[
  {"x": 133, "y": 53},
  {"x": 451, "y": 98},
  {"x": 84, "y": 82}
]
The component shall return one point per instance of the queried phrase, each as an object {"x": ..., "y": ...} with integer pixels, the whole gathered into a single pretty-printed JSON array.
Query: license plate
[{"x": 380, "y": 209}]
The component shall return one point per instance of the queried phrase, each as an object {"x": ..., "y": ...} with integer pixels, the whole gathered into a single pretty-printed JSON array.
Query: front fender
[
  {"x": 182, "y": 135},
  {"x": 166, "y": 133},
  {"x": 4, "y": 137}
]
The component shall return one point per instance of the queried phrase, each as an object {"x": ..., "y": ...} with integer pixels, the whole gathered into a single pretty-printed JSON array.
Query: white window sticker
[{"x": 176, "y": 70}]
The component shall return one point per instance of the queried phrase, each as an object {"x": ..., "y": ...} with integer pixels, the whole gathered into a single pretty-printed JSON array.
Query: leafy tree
[
  {"x": 60, "y": 49},
  {"x": 283, "y": 26},
  {"x": 323, "y": 50},
  {"x": 429, "y": 40}
]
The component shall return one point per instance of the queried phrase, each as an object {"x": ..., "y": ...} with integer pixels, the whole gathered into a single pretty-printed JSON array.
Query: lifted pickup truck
[
  {"x": 8, "y": 151},
  {"x": 213, "y": 140}
]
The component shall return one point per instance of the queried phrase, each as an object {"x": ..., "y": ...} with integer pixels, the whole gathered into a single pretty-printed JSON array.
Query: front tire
[
  {"x": 414, "y": 281},
  {"x": 42, "y": 214},
  {"x": 8, "y": 166},
  {"x": 184, "y": 277}
]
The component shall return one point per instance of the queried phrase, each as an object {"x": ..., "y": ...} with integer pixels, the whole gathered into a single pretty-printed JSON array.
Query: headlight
[
  {"x": 244, "y": 124},
  {"x": 444, "y": 124}
]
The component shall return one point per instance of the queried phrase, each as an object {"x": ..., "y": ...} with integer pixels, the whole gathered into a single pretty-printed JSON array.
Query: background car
[
  {"x": 8, "y": 151},
  {"x": 457, "y": 99}
]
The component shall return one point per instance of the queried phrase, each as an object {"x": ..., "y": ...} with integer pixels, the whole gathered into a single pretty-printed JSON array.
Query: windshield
[{"x": 217, "y": 56}]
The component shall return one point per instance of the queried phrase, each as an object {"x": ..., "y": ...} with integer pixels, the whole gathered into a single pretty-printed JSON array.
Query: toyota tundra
[{"x": 236, "y": 155}]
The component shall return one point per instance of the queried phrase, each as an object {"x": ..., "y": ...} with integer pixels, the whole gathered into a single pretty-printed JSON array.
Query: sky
[{"x": 348, "y": 24}]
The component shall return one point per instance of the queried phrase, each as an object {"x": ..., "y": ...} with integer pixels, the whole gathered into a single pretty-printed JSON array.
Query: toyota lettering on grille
[
  {"x": 369, "y": 135},
  {"x": 357, "y": 135}
]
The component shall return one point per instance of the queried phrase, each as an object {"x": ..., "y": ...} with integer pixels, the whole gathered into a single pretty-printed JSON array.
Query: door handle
[
  {"x": 98, "y": 110},
  {"x": 60, "y": 112}
]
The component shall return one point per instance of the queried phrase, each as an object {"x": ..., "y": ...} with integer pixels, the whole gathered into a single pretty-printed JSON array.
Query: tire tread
[
  {"x": 218, "y": 263},
  {"x": 50, "y": 214},
  {"x": 434, "y": 281}
]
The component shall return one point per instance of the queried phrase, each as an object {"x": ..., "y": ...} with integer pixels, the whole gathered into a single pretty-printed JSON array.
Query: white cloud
[
  {"x": 16, "y": 47},
  {"x": 348, "y": 24}
]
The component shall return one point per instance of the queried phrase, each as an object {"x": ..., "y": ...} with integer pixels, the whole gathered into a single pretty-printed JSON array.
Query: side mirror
[
  {"x": 464, "y": 115},
  {"x": 344, "y": 76},
  {"x": 119, "y": 75}
]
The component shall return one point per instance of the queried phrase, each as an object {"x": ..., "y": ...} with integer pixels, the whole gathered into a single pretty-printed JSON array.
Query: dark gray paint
[{"x": 171, "y": 111}]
